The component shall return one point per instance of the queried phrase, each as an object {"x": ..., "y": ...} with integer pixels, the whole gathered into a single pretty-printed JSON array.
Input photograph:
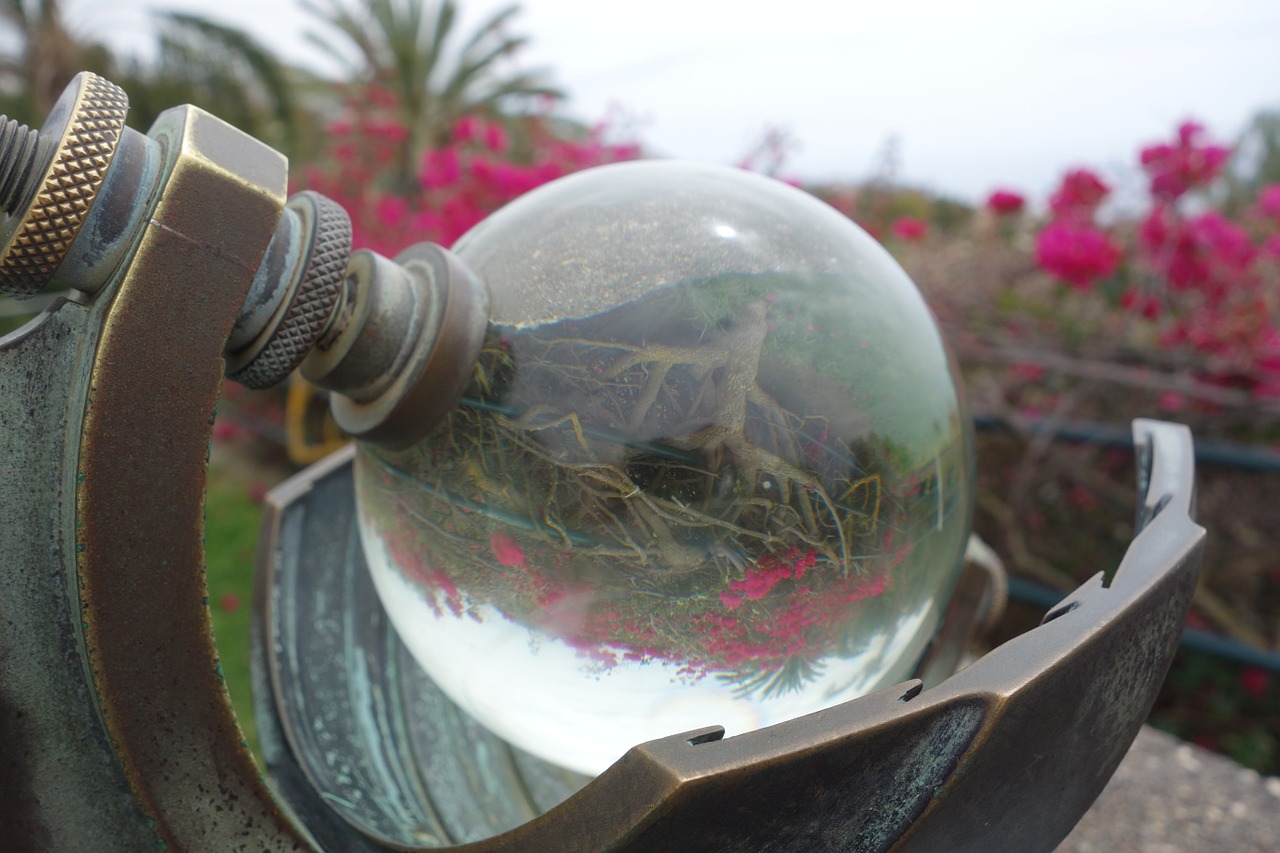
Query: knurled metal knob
[
  {"x": 49, "y": 179},
  {"x": 311, "y": 292}
]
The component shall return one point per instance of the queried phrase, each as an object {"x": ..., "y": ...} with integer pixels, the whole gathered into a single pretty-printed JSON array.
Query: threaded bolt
[{"x": 19, "y": 151}]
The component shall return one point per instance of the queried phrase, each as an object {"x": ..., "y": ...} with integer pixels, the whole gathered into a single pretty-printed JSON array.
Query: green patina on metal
[{"x": 47, "y": 361}]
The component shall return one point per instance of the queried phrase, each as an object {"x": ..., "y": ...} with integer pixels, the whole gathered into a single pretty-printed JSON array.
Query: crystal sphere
[{"x": 713, "y": 467}]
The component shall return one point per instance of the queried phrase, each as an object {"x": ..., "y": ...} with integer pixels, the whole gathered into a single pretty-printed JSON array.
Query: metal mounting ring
[{"x": 85, "y": 127}]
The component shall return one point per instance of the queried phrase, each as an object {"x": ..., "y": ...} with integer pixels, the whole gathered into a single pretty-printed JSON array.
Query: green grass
[{"x": 232, "y": 519}]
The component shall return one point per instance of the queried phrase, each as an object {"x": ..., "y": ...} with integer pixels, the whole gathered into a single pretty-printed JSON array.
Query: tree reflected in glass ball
[{"x": 713, "y": 468}]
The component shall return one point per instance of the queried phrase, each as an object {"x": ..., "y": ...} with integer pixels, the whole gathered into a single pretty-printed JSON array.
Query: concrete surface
[{"x": 1170, "y": 797}]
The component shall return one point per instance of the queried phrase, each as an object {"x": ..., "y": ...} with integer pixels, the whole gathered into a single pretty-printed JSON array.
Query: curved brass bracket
[{"x": 1007, "y": 754}]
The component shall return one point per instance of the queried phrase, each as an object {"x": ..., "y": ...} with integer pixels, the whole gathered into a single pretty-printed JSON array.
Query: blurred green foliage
[
  {"x": 232, "y": 519},
  {"x": 1223, "y": 707}
]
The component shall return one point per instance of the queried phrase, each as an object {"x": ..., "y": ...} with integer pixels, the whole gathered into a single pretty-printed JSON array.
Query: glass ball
[{"x": 713, "y": 467}]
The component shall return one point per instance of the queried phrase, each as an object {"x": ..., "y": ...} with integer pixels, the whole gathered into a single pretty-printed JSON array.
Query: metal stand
[{"x": 1007, "y": 754}]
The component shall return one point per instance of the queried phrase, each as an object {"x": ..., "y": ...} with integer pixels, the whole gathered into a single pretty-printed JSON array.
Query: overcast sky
[{"x": 976, "y": 93}]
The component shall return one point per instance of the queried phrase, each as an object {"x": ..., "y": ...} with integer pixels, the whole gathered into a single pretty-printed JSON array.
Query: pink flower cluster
[
  {"x": 1079, "y": 196},
  {"x": 910, "y": 228},
  {"x": 506, "y": 550},
  {"x": 745, "y": 630},
  {"x": 453, "y": 186},
  {"x": 437, "y": 586},
  {"x": 802, "y": 621},
  {"x": 1072, "y": 247},
  {"x": 1267, "y": 206},
  {"x": 1205, "y": 279},
  {"x": 760, "y": 579},
  {"x": 1217, "y": 274},
  {"x": 1207, "y": 253},
  {"x": 1006, "y": 202},
  {"x": 1177, "y": 167},
  {"x": 1076, "y": 252},
  {"x": 806, "y": 622}
]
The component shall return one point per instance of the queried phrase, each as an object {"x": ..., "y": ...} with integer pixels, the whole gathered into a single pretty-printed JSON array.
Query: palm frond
[
  {"x": 767, "y": 683},
  {"x": 437, "y": 74}
]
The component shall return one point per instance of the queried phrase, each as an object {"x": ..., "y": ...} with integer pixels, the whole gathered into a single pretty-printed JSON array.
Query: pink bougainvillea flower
[
  {"x": 1168, "y": 245},
  {"x": 1227, "y": 244},
  {"x": 456, "y": 185},
  {"x": 391, "y": 210},
  {"x": 730, "y": 600},
  {"x": 1183, "y": 165},
  {"x": 495, "y": 138},
  {"x": 1079, "y": 195},
  {"x": 466, "y": 129},
  {"x": 388, "y": 130},
  {"x": 1268, "y": 203},
  {"x": 1157, "y": 229},
  {"x": 506, "y": 550},
  {"x": 440, "y": 168},
  {"x": 1080, "y": 255},
  {"x": 910, "y": 228},
  {"x": 1208, "y": 253},
  {"x": 760, "y": 579},
  {"x": 1005, "y": 202}
]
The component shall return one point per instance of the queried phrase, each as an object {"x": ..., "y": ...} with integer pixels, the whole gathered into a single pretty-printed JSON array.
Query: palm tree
[
  {"x": 406, "y": 47},
  {"x": 47, "y": 55},
  {"x": 197, "y": 61},
  {"x": 221, "y": 69}
]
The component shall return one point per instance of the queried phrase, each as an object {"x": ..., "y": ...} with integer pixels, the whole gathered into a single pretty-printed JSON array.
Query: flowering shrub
[
  {"x": 1197, "y": 282},
  {"x": 1006, "y": 202},
  {"x": 1078, "y": 253},
  {"x": 910, "y": 228},
  {"x": 1183, "y": 165},
  {"x": 1073, "y": 311},
  {"x": 1072, "y": 247},
  {"x": 451, "y": 188},
  {"x": 1079, "y": 197}
]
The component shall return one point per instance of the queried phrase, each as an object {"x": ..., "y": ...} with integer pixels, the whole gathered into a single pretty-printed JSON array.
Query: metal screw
[
  {"x": 49, "y": 180},
  {"x": 19, "y": 150}
]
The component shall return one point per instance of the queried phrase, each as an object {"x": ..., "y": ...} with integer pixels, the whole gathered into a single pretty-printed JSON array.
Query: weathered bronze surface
[
  {"x": 61, "y": 788},
  {"x": 402, "y": 345},
  {"x": 115, "y": 724},
  {"x": 1006, "y": 755},
  {"x": 140, "y": 504}
]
